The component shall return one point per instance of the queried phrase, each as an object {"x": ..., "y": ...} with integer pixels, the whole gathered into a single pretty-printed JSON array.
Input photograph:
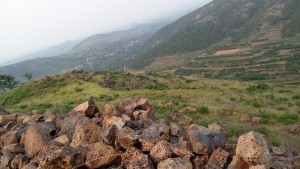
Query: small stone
[
  {"x": 19, "y": 161},
  {"x": 214, "y": 127},
  {"x": 176, "y": 163},
  {"x": 5, "y": 160},
  {"x": 244, "y": 118},
  {"x": 99, "y": 155},
  {"x": 199, "y": 162},
  {"x": 174, "y": 129},
  {"x": 237, "y": 163},
  {"x": 14, "y": 148},
  {"x": 255, "y": 121},
  {"x": 118, "y": 121},
  {"x": 218, "y": 159},
  {"x": 109, "y": 134},
  {"x": 127, "y": 137},
  {"x": 110, "y": 110},
  {"x": 181, "y": 151},
  {"x": 295, "y": 129},
  {"x": 135, "y": 159},
  {"x": 258, "y": 167},
  {"x": 63, "y": 140},
  {"x": 161, "y": 151},
  {"x": 88, "y": 108}
]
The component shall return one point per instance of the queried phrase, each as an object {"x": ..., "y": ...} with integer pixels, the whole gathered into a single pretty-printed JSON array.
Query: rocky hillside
[{"x": 126, "y": 136}]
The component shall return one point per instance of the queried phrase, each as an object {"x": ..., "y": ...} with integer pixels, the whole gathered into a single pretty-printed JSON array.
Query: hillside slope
[
  {"x": 261, "y": 26},
  {"x": 204, "y": 100}
]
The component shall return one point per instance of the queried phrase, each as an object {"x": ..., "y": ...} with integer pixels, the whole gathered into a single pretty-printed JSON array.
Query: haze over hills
[
  {"x": 97, "y": 52},
  {"x": 228, "y": 39}
]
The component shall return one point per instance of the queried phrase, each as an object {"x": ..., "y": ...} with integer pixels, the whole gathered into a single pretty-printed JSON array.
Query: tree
[
  {"x": 7, "y": 82},
  {"x": 28, "y": 76}
]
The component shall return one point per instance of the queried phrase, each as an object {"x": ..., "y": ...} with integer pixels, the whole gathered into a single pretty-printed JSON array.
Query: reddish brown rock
[
  {"x": 109, "y": 134},
  {"x": 14, "y": 148},
  {"x": 55, "y": 157},
  {"x": 135, "y": 159},
  {"x": 161, "y": 151},
  {"x": 153, "y": 134},
  {"x": 86, "y": 132},
  {"x": 214, "y": 127},
  {"x": 218, "y": 159},
  {"x": 255, "y": 121},
  {"x": 37, "y": 137},
  {"x": 181, "y": 151},
  {"x": 68, "y": 124},
  {"x": 181, "y": 119},
  {"x": 244, "y": 118},
  {"x": 5, "y": 160},
  {"x": 127, "y": 137},
  {"x": 110, "y": 110},
  {"x": 237, "y": 163},
  {"x": 19, "y": 161},
  {"x": 199, "y": 162},
  {"x": 253, "y": 149},
  {"x": 185, "y": 143},
  {"x": 174, "y": 129},
  {"x": 176, "y": 163},
  {"x": 295, "y": 129},
  {"x": 258, "y": 167},
  {"x": 99, "y": 155},
  {"x": 8, "y": 138},
  {"x": 87, "y": 108},
  {"x": 109, "y": 121},
  {"x": 63, "y": 140},
  {"x": 203, "y": 140}
]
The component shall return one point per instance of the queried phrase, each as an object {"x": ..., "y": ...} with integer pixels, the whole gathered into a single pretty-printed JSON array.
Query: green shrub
[
  {"x": 202, "y": 123},
  {"x": 104, "y": 98},
  {"x": 288, "y": 118},
  {"x": 202, "y": 109},
  {"x": 78, "y": 89},
  {"x": 275, "y": 142},
  {"x": 296, "y": 96},
  {"x": 257, "y": 88},
  {"x": 232, "y": 131},
  {"x": 262, "y": 130}
]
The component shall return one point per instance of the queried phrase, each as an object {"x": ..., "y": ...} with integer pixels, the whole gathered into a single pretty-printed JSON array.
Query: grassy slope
[{"x": 226, "y": 100}]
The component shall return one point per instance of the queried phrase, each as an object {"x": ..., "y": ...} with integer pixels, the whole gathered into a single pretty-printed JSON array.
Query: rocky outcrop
[{"x": 127, "y": 137}]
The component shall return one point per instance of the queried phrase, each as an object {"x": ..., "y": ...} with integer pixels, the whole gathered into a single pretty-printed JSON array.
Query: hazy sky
[{"x": 30, "y": 25}]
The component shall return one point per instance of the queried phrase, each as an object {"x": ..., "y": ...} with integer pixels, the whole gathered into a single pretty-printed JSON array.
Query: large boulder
[
  {"x": 161, "y": 151},
  {"x": 14, "y": 148},
  {"x": 252, "y": 149},
  {"x": 86, "y": 132},
  {"x": 99, "y": 155},
  {"x": 133, "y": 158},
  {"x": 56, "y": 157},
  {"x": 110, "y": 110},
  {"x": 35, "y": 138},
  {"x": 136, "y": 104},
  {"x": 127, "y": 137},
  {"x": 176, "y": 163},
  {"x": 203, "y": 140},
  {"x": 88, "y": 108},
  {"x": 153, "y": 134}
]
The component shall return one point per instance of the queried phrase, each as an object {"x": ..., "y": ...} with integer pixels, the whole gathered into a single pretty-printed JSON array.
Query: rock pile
[{"x": 127, "y": 137}]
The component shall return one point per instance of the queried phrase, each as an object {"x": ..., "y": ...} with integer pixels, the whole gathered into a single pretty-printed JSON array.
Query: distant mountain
[
  {"x": 49, "y": 52},
  {"x": 255, "y": 25},
  {"x": 97, "y": 52}
]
